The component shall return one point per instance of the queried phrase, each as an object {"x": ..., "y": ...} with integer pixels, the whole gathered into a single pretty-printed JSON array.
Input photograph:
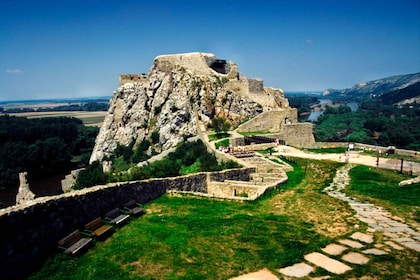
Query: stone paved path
[
  {"x": 377, "y": 218},
  {"x": 340, "y": 258}
]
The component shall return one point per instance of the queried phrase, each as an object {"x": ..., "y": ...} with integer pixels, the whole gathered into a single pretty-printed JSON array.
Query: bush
[
  {"x": 155, "y": 136},
  {"x": 220, "y": 124},
  {"x": 140, "y": 152},
  {"x": 189, "y": 157},
  {"x": 91, "y": 176}
]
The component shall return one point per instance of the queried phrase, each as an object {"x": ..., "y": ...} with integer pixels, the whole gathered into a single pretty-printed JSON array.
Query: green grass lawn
[
  {"x": 186, "y": 237},
  {"x": 192, "y": 238},
  {"x": 381, "y": 186}
]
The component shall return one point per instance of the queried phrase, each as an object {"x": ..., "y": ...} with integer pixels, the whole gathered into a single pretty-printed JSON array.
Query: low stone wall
[
  {"x": 232, "y": 189},
  {"x": 363, "y": 147},
  {"x": 232, "y": 174},
  {"x": 30, "y": 232},
  {"x": 69, "y": 180}
]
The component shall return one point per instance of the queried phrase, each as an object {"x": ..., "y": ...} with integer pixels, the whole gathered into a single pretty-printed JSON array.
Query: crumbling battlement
[
  {"x": 284, "y": 124},
  {"x": 199, "y": 63},
  {"x": 132, "y": 78},
  {"x": 206, "y": 64}
]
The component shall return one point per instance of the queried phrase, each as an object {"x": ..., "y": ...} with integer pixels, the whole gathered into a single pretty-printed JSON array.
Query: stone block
[
  {"x": 374, "y": 251},
  {"x": 366, "y": 238},
  {"x": 327, "y": 263},
  {"x": 297, "y": 270},
  {"x": 334, "y": 249},
  {"x": 263, "y": 274},
  {"x": 355, "y": 258},
  {"x": 351, "y": 243}
]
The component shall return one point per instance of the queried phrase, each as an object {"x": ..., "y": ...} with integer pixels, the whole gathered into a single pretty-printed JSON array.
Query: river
[{"x": 314, "y": 115}]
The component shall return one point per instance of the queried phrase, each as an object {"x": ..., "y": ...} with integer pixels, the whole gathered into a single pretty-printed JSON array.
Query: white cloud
[{"x": 15, "y": 71}]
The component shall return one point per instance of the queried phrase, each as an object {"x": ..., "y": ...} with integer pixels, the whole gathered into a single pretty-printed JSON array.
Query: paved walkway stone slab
[
  {"x": 327, "y": 263},
  {"x": 398, "y": 229},
  {"x": 366, "y": 238},
  {"x": 374, "y": 251},
  {"x": 355, "y": 258},
  {"x": 403, "y": 240},
  {"x": 351, "y": 243},
  {"x": 412, "y": 245},
  {"x": 297, "y": 270},
  {"x": 394, "y": 246},
  {"x": 334, "y": 249},
  {"x": 263, "y": 274}
]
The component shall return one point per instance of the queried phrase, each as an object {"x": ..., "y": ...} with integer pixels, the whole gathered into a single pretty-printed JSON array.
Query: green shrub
[{"x": 155, "y": 136}]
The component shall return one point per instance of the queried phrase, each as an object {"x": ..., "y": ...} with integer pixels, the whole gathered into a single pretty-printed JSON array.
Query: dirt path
[{"x": 354, "y": 157}]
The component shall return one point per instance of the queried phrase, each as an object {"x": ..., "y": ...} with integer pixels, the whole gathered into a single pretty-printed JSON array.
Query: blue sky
[{"x": 54, "y": 49}]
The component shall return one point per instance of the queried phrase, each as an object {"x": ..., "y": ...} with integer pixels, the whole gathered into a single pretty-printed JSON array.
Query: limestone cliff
[{"x": 178, "y": 91}]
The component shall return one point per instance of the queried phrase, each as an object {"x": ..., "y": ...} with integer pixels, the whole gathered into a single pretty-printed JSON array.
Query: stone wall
[
  {"x": 230, "y": 190},
  {"x": 30, "y": 232},
  {"x": 69, "y": 180},
  {"x": 362, "y": 146},
  {"x": 297, "y": 134},
  {"x": 131, "y": 78},
  {"x": 196, "y": 62},
  {"x": 232, "y": 174},
  {"x": 284, "y": 125},
  {"x": 270, "y": 121},
  {"x": 256, "y": 86}
]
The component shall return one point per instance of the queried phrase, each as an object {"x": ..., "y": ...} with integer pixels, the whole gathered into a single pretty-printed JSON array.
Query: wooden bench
[
  {"x": 133, "y": 208},
  {"x": 97, "y": 228},
  {"x": 116, "y": 217},
  {"x": 74, "y": 242}
]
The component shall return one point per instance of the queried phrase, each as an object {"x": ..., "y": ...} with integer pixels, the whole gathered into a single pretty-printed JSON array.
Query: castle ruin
[{"x": 277, "y": 116}]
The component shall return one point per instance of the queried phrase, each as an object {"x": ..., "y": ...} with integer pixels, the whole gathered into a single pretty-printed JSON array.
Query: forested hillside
[
  {"x": 373, "y": 123},
  {"x": 41, "y": 146}
]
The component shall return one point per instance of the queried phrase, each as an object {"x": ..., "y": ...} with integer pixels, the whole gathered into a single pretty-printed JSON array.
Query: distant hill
[{"x": 401, "y": 89}]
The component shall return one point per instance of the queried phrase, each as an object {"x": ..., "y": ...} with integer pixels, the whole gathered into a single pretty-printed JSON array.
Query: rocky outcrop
[{"x": 179, "y": 90}]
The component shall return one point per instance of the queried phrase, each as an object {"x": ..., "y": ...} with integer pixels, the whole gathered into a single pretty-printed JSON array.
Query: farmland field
[
  {"x": 37, "y": 109},
  {"x": 88, "y": 118}
]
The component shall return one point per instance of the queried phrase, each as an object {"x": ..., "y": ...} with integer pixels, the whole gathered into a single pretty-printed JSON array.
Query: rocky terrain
[{"x": 165, "y": 105}]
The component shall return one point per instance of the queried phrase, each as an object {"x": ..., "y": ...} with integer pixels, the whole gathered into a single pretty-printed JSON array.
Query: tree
[{"x": 220, "y": 124}]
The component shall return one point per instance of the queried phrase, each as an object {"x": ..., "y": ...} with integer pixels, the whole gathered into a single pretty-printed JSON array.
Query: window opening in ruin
[{"x": 220, "y": 66}]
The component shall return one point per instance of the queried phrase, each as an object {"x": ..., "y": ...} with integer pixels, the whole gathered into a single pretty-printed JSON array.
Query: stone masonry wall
[
  {"x": 222, "y": 189},
  {"x": 297, "y": 134},
  {"x": 131, "y": 78},
  {"x": 232, "y": 174},
  {"x": 30, "y": 232},
  {"x": 270, "y": 121}
]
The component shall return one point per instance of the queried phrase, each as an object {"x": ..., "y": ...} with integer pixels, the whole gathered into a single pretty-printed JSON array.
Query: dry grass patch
[{"x": 329, "y": 216}]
